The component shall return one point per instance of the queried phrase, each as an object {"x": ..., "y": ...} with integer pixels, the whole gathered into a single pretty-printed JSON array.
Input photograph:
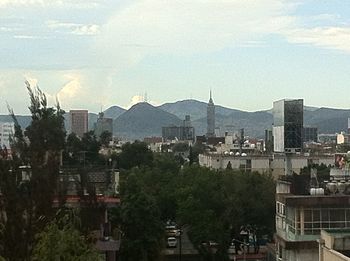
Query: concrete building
[
  {"x": 288, "y": 125},
  {"x": 261, "y": 163},
  {"x": 184, "y": 133},
  {"x": 79, "y": 121},
  {"x": 6, "y": 130},
  {"x": 334, "y": 245},
  {"x": 343, "y": 138},
  {"x": 302, "y": 213},
  {"x": 103, "y": 124},
  {"x": 211, "y": 118}
]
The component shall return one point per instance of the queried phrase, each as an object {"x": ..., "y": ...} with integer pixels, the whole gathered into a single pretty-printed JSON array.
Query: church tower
[{"x": 211, "y": 118}]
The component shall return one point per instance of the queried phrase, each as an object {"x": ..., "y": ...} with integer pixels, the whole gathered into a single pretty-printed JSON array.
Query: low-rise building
[
  {"x": 274, "y": 163},
  {"x": 6, "y": 130},
  {"x": 302, "y": 213},
  {"x": 334, "y": 245}
]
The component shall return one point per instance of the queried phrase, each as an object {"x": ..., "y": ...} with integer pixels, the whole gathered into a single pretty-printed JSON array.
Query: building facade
[
  {"x": 79, "y": 120},
  {"x": 302, "y": 215},
  {"x": 185, "y": 132},
  {"x": 211, "y": 118},
  {"x": 262, "y": 163},
  {"x": 288, "y": 125},
  {"x": 6, "y": 130},
  {"x": 103, "y": 124}
]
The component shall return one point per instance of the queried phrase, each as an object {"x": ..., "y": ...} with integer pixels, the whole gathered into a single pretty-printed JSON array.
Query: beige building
[
  {"x": 301, "y": 218},
  {"x": 334, "y": 245},
  {"x": 343, "y": 138}
]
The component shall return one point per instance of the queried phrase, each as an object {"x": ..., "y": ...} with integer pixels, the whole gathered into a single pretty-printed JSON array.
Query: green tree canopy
[
  {"x": 135, "y": 154},
  {"x": 61, "y": 241}
]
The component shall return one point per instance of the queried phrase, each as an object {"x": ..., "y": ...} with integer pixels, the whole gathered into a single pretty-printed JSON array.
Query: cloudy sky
[{"x": 92, "y": 53}]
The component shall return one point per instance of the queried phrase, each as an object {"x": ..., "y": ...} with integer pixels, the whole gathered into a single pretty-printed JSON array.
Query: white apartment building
[
  {"x": 6, "y": 130},
  {"x": 261, "y": 163}
]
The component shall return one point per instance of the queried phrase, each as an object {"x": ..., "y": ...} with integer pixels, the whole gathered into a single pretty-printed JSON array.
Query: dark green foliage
[
  {"x": 136, "y": 154},
  {"x": 84, "y": 151},
  {"x": 105, "y": 138},
  {"x": 141, "y": 224},
  {"x": 28, "y": 203},
  {"x": 212, "y": 205}
]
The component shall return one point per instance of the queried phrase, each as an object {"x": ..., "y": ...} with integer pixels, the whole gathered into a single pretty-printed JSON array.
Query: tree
[
  {"x": 135, "y": 154},
  {"x": 61, "y": 241},
  {"x": 140, "y": 223},
  {"x": 27, "y": 203},
  {"x": 105, "y": 138}
]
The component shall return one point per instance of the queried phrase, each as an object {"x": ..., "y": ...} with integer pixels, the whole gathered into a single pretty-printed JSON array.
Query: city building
[
  {"x": 79, "y": 122},
  {"x": 305, "y": 207},
  {"x": 343, "y": 138},
  {"x": 103, "y": 124},
  {"x": 184, "y": 133},
  {"x": 334, "y": 245},
  {"x": 6, "y": 130},
  {"x": 261, "y": 163},
  {"x": 310, "y": 134},
  {"x": 211, "y": 117},
  {"x": 288, "y": 125},
  {"x": 327, "y": 138}
]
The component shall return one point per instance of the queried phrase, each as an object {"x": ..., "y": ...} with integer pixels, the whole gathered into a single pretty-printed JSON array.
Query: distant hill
[
  {"x": 196, "y": 109},
  {"x": 114, "y": 112},
  {"x": 327, "y": 120},
  {"x": 143, "y": 120},
  {"x": 254, "y": 123}
]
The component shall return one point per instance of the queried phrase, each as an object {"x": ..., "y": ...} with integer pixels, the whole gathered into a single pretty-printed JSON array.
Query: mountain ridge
[{"x": 143, "y": 119}]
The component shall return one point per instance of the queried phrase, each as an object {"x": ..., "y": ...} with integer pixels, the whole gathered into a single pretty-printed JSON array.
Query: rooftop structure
[{"x": 304, "y": 207}]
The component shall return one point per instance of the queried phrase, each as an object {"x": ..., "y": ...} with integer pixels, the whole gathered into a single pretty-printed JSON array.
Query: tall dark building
[
  {"x": 288, "y": 125},
  {"x": 211, "y": 118}
]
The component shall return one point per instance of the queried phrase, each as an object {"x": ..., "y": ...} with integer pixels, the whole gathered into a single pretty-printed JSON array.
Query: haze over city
[{"x": 101, "y": 53}]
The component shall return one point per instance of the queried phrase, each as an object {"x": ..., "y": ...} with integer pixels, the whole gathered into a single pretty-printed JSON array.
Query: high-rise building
[
  {"x": 184, "y": 132},
  {"x": 6, "y": 130},
  {"x": 211, "y": 118},
  {"x": 288, "y": 125},
  {"x": 79, "y": 121},
  {"x": 103, "y": 124}
]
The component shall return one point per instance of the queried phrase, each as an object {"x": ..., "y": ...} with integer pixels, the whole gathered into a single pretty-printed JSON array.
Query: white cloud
[
  {"x": 327, "y": 37},
  {"x": 149, "y": 27},
  {"x": 33, "y": 81},
  {"x": 137, "y": 99},
  {"x": 92, "y": 29},
  {"x": 73, "y": 28},
  {"x": 50, "y": 3},
  {"x": 71, "y": 89}
]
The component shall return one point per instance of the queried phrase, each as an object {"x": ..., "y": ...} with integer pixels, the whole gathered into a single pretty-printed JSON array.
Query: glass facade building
[{"x": 288, "y": 125}]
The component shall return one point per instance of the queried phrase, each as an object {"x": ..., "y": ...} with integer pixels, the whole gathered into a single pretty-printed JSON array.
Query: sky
[{"x": 93, "y": 54}]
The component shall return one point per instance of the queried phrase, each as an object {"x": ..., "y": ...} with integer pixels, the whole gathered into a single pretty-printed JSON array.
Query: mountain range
[{"x": 143, "y": 119}]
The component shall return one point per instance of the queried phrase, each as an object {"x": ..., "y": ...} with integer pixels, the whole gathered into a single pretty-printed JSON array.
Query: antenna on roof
[{"x": 145, "y": 97}]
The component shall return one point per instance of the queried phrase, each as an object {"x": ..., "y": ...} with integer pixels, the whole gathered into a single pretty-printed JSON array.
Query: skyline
[{"x": 101, "y": 53}]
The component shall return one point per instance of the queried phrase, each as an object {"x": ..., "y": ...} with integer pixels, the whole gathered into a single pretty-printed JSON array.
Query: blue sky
[{"x": 92, "y": 53}]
